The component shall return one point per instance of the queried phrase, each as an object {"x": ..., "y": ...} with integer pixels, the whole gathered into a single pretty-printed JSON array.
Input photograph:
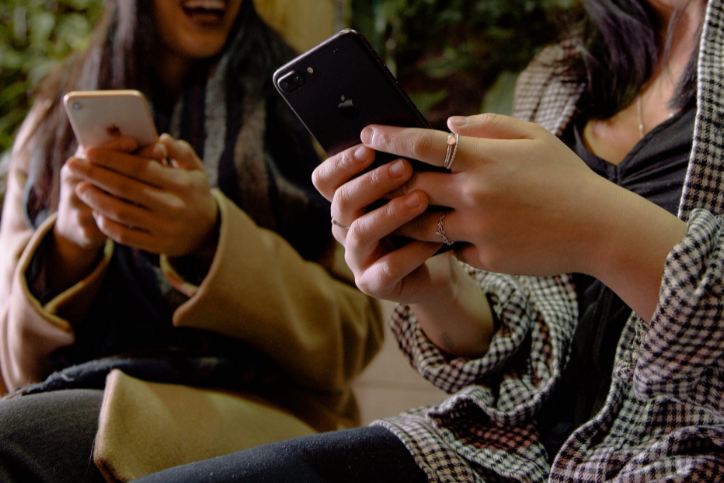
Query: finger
[
  {"x": 181, "y": 153},
  {"x": 352, "y": 198},
  {"x": 155, "y": 151},
  {"x": 365, "y": 234},
  {"x": 431, "y": 227},
  {"x": 492, "y": 126},
  {"x": 340, "y": 168},
  {"x": 384, "y": 277},
  {"x": 118, "y": 184},
  {"x": 124, "y": 144},
  {"x": 442, "y": 189},
  {"x": 130, "y": 165},
  {"x": 124, "y": 234},
  {"x": 116, "y": 209}
]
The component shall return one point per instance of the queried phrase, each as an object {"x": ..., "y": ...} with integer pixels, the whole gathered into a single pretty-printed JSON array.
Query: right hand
[
  {"x": 77, "y": 240},
  {"x": 380, "y": 269},
  {"x": 448, "y": 304}
]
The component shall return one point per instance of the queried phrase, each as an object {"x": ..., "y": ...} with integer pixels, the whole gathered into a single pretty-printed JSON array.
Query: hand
[
  {"x": 526, "y": 204},
  {"x": 138, "y": 201},
  {"x": 517, "y": 195},
  {"x": 449, "y": 306},
  {"x": 380, "y": 269}
]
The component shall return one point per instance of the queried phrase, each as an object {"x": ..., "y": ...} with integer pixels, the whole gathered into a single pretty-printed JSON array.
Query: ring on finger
[
  {"x": 453, "y": 139},
  {"x": 440, "y": 230},
  {"x": 336, "y": 223}
]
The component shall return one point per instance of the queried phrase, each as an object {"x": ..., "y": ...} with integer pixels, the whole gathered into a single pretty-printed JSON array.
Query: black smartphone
[
  {"x": 342, "y": 85},
  {"x": 339, "y": 87}
]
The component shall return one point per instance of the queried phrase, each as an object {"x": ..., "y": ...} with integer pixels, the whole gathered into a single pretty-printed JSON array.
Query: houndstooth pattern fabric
[{"x": 664, "y": 415}]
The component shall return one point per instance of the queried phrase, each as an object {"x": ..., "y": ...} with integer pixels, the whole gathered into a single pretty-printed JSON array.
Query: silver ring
[
  {"x": 452, "y": 149},
  {"x": 336, "y": 223},
  {"x": 440, "y": 230}
]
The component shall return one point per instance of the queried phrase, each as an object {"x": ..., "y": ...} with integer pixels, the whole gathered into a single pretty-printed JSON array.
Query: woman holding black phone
[{"x": 580, "y": 327}]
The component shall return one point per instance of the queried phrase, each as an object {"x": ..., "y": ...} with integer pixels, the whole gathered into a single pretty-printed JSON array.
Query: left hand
[
  {"x": 520, "y": 198},
  {"x": 140, "y": 202}
]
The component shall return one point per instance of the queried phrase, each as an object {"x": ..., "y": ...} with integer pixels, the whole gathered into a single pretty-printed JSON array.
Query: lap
[
  {"x": 49, "y": 436},
  {"x": 368, "y": 454}
]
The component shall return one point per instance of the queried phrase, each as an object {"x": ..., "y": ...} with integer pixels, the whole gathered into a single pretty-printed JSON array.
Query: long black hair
[
  {"x": 119, "y": 55},
  {"x": 620, "y": 48}
]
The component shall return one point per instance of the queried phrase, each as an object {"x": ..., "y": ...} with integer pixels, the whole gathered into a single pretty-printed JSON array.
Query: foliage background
[
  {"x": 34, "y": 34},
  {"x": 452, "y": 56}
]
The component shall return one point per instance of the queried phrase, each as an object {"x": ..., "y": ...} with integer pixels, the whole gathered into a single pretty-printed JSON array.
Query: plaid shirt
[{"x": 664, "y": 415}]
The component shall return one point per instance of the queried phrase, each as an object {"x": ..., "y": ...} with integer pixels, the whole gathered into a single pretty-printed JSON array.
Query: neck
[
  {"x": 171, "y": 70},
  {"x": 680, "y": 42}
]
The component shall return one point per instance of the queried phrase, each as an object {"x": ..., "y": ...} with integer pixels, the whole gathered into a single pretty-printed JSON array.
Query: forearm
[
  {"x": 260, "y": 290},
  {"x": 628, "y": 255}
]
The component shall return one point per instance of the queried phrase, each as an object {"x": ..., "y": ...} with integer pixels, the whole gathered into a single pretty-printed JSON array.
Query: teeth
[{"x": 205, "y": 4}]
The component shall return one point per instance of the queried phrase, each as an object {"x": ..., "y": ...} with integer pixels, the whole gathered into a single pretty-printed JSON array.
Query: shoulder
[{"x": 546, "y": 90}]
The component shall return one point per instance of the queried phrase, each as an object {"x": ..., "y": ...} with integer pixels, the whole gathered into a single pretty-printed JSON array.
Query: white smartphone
[{"x": 98, "y": 116}]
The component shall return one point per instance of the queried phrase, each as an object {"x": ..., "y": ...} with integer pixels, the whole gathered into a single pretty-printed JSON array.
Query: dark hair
[
  {"x": 619, "y": 49},
  {"x": 119, "y": 56}
]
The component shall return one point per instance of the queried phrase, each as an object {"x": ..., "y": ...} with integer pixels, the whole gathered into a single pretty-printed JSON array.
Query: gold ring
[
  {"x": 336, "y": 223},
  {"x": 452, "y": 149}
]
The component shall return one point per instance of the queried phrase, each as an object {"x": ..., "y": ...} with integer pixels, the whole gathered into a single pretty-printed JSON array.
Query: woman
[
  {"x": 127, "y": 263},
  {"x": 628, "y": 129}
]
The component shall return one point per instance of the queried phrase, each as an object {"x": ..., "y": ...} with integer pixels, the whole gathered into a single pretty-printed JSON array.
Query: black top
[{"x": 655, "y": 169}]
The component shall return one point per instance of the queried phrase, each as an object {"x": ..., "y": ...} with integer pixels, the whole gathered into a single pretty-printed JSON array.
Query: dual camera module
[{"x": 293, "y": 80}]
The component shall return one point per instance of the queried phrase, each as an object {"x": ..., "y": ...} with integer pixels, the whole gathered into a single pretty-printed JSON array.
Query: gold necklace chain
[{"x": 640, "y": 116}]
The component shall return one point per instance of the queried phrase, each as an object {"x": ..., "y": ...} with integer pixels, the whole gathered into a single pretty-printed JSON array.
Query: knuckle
[
  {"x": 472, "y": 194},
  {"x": 420, "y": 145},
  {"x": 341, "y": 200}
]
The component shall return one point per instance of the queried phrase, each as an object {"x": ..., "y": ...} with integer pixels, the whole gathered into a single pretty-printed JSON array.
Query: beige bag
[{"x": 146, "y": 427}]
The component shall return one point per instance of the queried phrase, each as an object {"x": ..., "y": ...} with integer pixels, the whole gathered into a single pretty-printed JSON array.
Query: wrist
[
  {"x": 456, "y": 316},
  {"x": 67, "y": 263}
]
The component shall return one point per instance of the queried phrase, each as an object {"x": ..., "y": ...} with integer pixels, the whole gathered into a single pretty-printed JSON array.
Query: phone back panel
[
  {"x": 341, "y": 86},
  {"x": 97, "y": 116}
]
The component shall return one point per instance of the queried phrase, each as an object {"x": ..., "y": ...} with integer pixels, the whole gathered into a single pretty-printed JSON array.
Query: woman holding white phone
[{"x": 187, "y": 287}]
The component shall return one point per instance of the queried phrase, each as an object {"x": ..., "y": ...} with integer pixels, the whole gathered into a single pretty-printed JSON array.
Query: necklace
[{"x": 640, "y": 116}]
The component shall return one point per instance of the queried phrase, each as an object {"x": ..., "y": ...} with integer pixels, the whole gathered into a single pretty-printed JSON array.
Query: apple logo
[
  {"x": 113, "y": 130},
  {"x": 347, "y": 108}
]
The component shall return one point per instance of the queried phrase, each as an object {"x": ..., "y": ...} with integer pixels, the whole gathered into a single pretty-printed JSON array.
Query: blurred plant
[
  {"x": 34, "y": 34},
  {"x": 448, "y": 53}
]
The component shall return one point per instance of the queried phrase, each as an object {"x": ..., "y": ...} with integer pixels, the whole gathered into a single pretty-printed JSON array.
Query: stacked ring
[
  {"x": 452, "y": 149},
  {"x": 440, "y": 230}
]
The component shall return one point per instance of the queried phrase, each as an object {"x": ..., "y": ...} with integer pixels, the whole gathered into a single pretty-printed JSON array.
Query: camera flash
[
  {"x": 77, "y": 106},
  {"x": 310, "y": 70}
]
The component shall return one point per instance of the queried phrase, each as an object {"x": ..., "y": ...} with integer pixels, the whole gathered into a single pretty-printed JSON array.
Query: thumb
[
  {"x": 181, "y": 153},
  {"x": 491, "y": 126}
]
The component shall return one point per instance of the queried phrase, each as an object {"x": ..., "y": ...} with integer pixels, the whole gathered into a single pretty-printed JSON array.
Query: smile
[{"x": 205, "y": 12}]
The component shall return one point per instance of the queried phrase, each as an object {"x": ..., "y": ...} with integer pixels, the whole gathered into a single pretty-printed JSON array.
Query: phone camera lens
[
  {"x": 291, "y": 81},
  {"x": 77, "y": 106}
]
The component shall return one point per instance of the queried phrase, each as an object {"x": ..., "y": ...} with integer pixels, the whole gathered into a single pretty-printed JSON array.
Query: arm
[
  {"x": 308, "y": 317},
  {"x": 30, "y": 331}
]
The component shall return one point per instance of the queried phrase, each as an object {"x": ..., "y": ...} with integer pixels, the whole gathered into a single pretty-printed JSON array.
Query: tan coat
[{"x": 309, "y": 319}]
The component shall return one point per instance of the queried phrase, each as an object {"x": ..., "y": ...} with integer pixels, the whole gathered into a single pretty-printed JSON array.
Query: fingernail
[
  {"x": 366, "y": 135},
  {"x": 413, "y": 201},
  {"x": 397, "y": 169},
  {"x": 361, "y": 153},
  {"x": 458, "y": 121},
  {"x": 159, "y": 150}
]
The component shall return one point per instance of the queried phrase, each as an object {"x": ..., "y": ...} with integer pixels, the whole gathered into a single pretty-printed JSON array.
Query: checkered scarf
[{"x": 664, "y": 415}]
